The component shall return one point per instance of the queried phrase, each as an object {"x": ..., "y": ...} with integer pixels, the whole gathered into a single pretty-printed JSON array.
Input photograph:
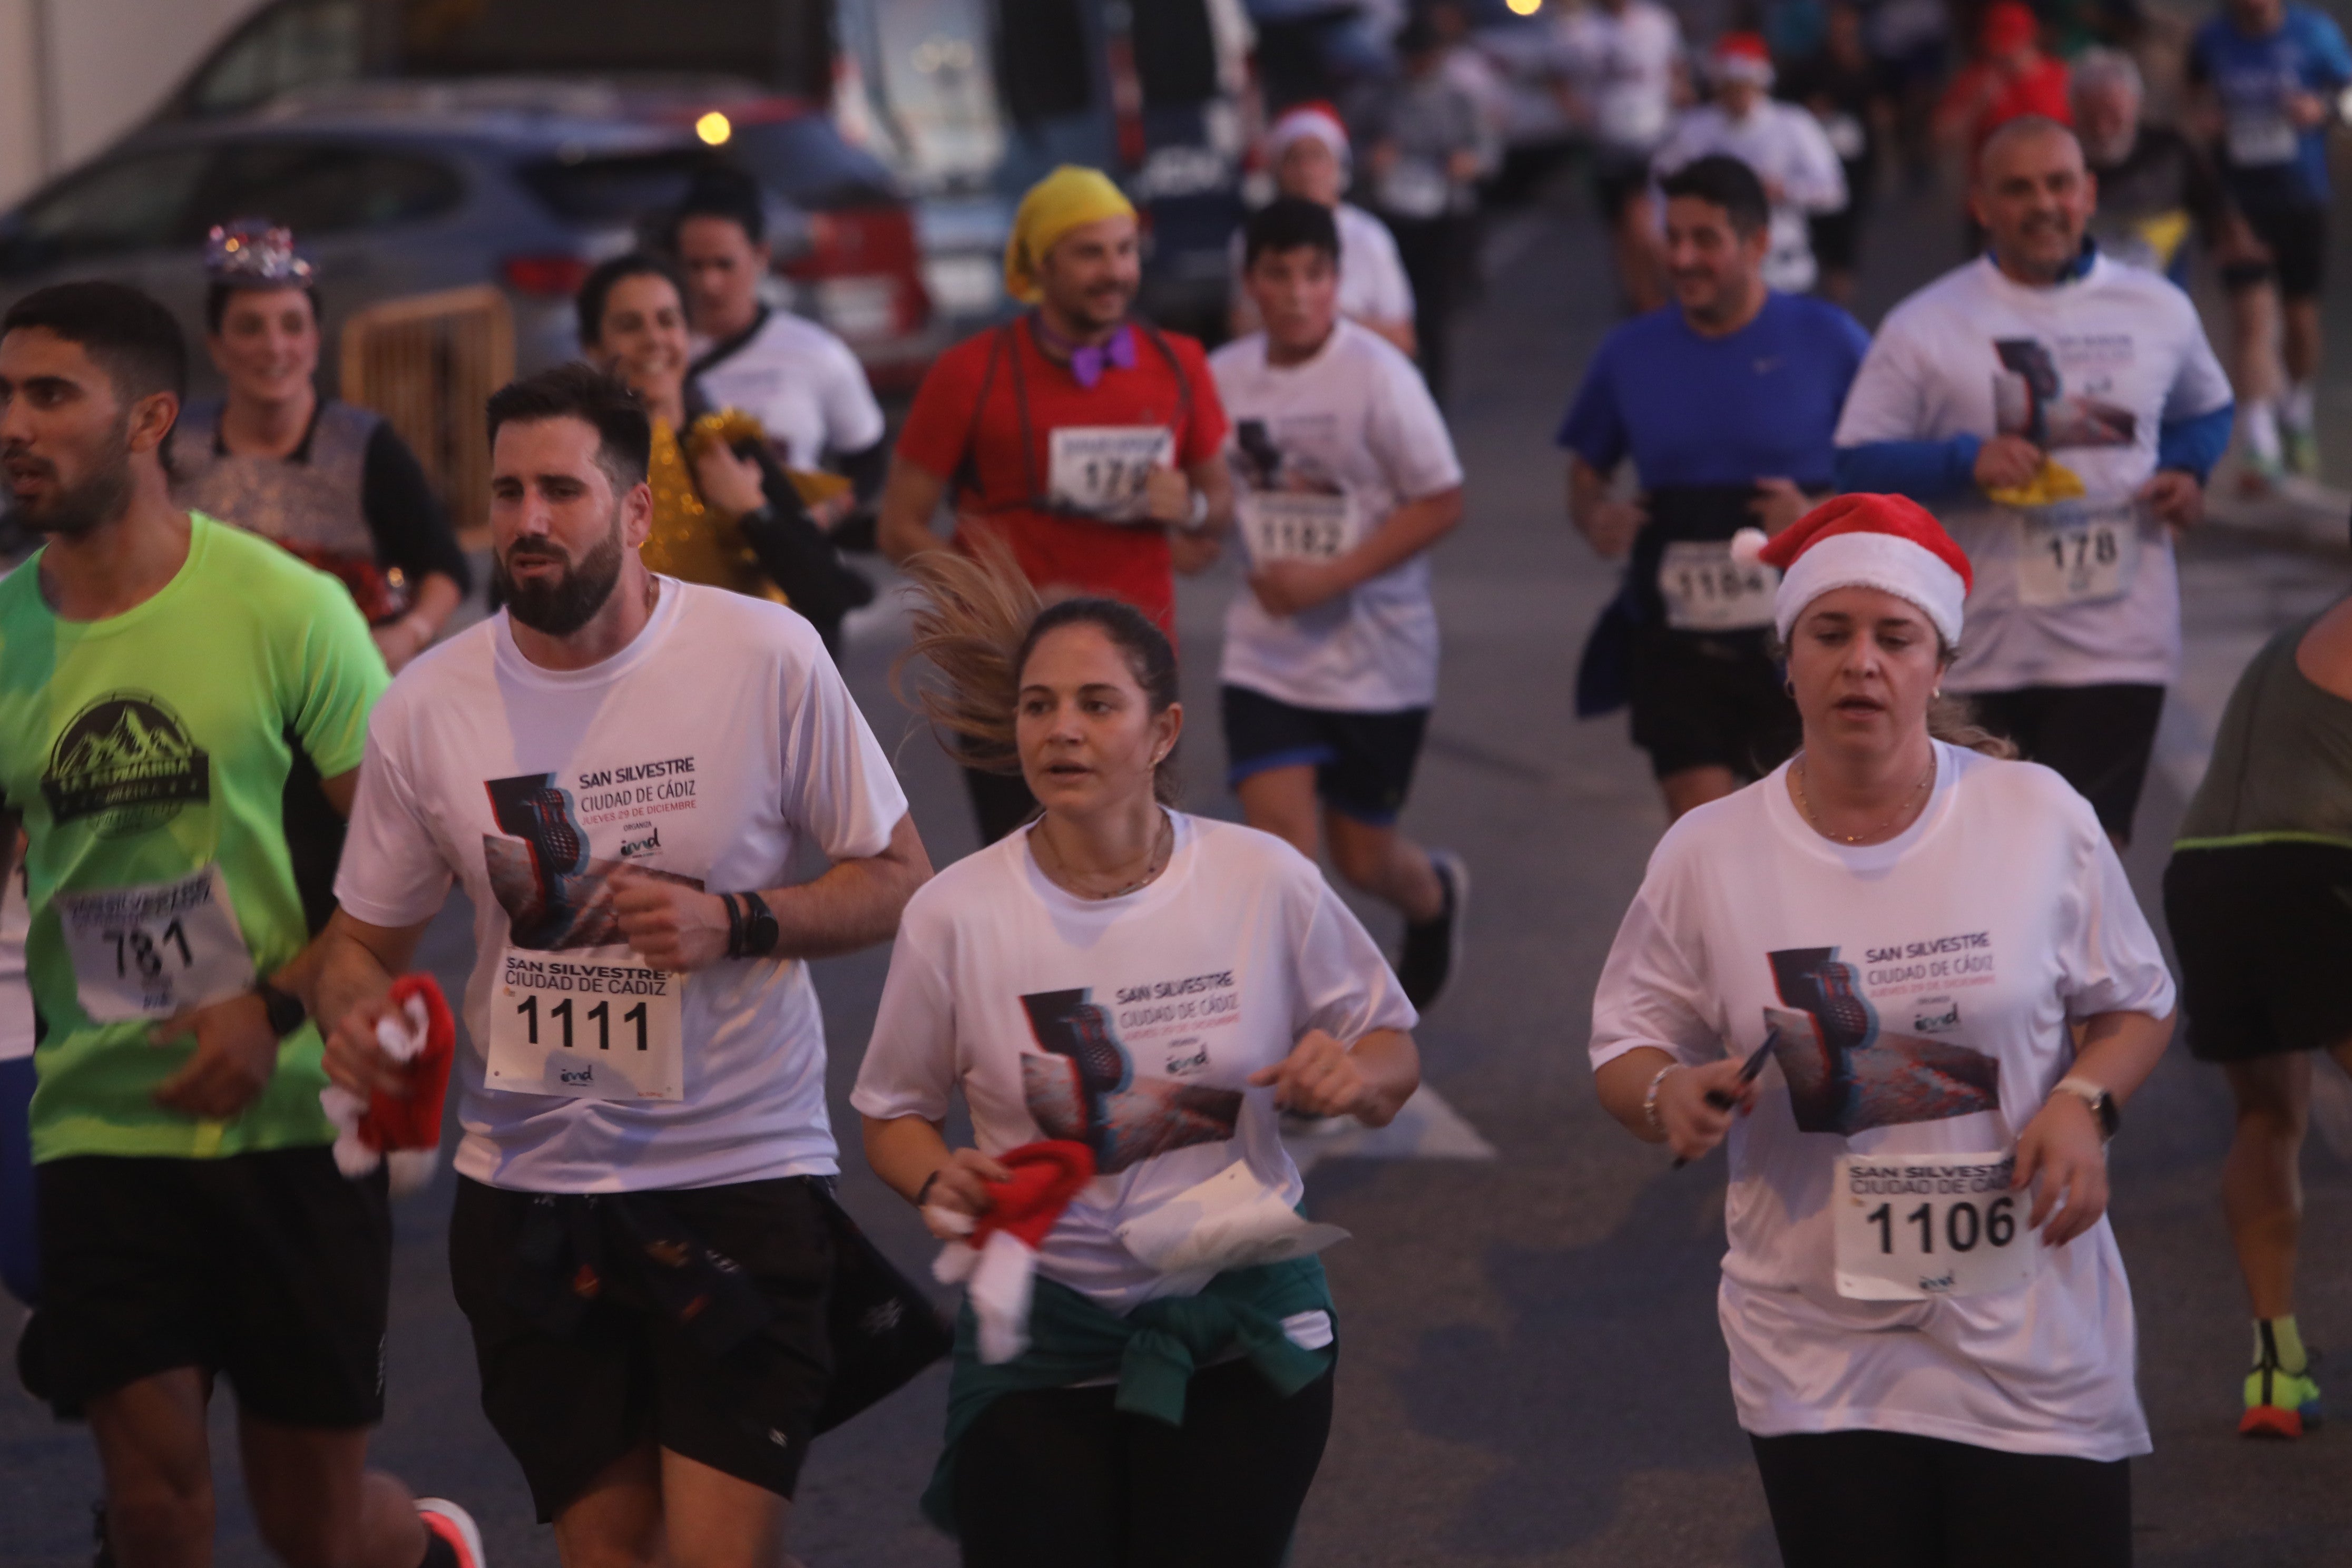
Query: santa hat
[
  {"x": 418, "y": 1033},
  {"x": 1317, "y": 122},
  {"x": 1741, "y": 57},
  {"x": 2008, "y": 27},
  {"x": 996, "y": 1261},
  {"x": 1886, "y": 542}
]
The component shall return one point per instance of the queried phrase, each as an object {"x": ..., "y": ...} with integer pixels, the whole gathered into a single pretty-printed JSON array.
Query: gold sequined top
[{"x": 693, "y": 541}]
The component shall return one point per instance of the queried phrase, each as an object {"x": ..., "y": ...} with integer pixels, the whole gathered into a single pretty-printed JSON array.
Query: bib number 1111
[{"x": 601, "y": 1015}]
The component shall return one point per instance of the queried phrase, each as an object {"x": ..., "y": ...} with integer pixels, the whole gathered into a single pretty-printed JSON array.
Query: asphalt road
[{"x": 1532, "y": 1372}]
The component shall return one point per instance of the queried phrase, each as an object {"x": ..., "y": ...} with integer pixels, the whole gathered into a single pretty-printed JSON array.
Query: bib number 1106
[
  {"x": 1911, "y": 1228},
  {"x": 1964, "y": 1227}
]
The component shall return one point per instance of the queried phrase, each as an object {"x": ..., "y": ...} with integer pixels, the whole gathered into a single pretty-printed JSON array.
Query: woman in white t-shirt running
[
  {"x": 1909, "y": 984},
  {"x": 1157, "y": 988}
]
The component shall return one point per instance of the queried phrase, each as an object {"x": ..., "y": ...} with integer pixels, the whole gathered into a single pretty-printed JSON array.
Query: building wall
[{"x": 76, "y": 74}]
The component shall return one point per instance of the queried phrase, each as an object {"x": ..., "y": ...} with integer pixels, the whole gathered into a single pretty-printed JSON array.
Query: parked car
[{"x": 405, "y": 188}]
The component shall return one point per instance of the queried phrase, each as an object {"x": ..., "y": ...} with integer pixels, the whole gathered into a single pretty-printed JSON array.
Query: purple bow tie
[{"x": 1087, "y": 361}]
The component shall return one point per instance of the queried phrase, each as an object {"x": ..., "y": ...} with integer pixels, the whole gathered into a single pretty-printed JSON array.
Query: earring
[{"x": 1937, "y": 695}]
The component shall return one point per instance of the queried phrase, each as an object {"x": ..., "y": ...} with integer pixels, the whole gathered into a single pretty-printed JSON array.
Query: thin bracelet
[
  {"x": 1650, "y": 1099},
  {"x": 734, "y": 925},
  {"x": 925, "y": 1190}
]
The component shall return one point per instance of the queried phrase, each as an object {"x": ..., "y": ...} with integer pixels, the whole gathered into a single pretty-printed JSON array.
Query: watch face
[{"x": 2110, "y": 1118}]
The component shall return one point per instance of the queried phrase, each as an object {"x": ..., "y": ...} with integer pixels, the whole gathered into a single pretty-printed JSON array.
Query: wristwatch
[
  {"x": 2102, "y": 1104},
  {"x": 284, "y": 1009}
]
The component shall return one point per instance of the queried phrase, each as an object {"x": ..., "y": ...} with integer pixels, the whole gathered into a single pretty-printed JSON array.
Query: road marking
[{"x": 1427, "y": 1129}]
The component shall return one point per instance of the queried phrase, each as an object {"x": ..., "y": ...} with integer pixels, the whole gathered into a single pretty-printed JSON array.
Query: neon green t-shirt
[{"x": 147, "y": 754}]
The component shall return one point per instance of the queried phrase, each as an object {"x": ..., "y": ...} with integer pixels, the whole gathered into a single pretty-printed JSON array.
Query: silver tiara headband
[{"x": 253, "y": 251}]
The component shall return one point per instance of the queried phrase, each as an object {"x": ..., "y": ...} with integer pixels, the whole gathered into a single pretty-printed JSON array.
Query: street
[{"x": 1532, "y": 1372}]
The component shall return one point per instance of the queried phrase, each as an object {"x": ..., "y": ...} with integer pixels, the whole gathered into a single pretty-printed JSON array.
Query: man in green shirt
[{"x": 157, "y": 671}]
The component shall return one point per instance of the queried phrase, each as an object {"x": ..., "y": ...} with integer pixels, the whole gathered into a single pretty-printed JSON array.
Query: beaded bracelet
[{"x": 1650, "y": 1099}]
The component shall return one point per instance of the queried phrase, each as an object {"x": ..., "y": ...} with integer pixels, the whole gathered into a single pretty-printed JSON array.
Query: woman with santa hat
[
  {"x": 1307, "y": 152},
  {"x": 1905, "y": 981},
  {"x": 1126, "y": 998}
]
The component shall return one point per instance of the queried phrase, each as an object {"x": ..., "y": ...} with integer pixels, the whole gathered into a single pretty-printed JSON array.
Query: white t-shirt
[
  {"x": 1624, "y": 68},
  {"x": 1786, "y": 146},
  {"x": 1940, "y": 971},
  {"x": 801, "y": 382},
  {"x": 1321, "y": 453},
  {"x": 2092, "y": 368},
  {"x": 709, "y": 748},
  {"x": 1127, "y": 1024},
  {"x": 1372, "y": 283}
]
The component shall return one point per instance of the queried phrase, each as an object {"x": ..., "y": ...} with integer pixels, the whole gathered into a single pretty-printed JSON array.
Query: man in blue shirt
[
  {"x": 1726, "y": 401},
  {"x": 2267, "y": 73}
]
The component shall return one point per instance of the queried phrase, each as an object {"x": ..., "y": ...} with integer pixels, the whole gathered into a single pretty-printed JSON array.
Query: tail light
[
  {"x": 865, "y": 272},
  {"x": 550, "y": 276}
]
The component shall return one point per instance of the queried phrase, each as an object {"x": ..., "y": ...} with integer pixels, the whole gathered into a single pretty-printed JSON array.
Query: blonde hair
[{"x": 976, "y": 621}]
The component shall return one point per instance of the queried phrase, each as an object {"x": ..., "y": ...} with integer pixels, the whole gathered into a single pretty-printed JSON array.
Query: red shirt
[
  {"x": 997, "y": 493},
  {"x": 2040, "y": 90}
]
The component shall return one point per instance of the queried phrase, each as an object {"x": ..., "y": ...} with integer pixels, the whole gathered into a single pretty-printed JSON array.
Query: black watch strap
[
  {"x": 285, "y": 1009},
  {"x": 760, "y": 932}
]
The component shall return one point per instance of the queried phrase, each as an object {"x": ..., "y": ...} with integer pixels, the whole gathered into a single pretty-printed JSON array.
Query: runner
[
  {"x": 1622, "y": 61},
  {"x": 1864, "y": 972},
  {"x": 1426, "y": 139},
  {"x": 617, "y": 744},
  {"x": 2156, "y": 186},
  {"x": 2254, "y": 899},
  {"x": 1781, "y": 141},
  {"x": 1344, "y": 477},
  {"x": 1306, "y": 148},
  {"x": 726, "y": 514},
  {"x": 798, "y": 380},
  {"x": 2267, "y": 74},
  {"x": 1147, "y": 990},
  {"x": 332, "y": 483},
  {"x": 1725, "y": 401},
  {"x": 1086, "y": 442},
  {"x": 20, "y": 1262},
  {"x": 2061, "y": 412},
  {"x": 177, "y": 1118},
  {"x": 2010, "y": 78},
  {"x": 1842, "y": 86}
]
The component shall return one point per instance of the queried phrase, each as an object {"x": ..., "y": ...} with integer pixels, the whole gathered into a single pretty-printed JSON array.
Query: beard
[
  {"x": 559, "y": 607},
  {"x": 103, "y": 494}
]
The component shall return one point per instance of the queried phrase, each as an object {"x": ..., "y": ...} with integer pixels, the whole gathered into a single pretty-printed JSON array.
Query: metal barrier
[{"x": 427, "y": 363}]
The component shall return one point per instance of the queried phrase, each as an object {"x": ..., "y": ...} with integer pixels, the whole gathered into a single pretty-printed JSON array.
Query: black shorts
[
  {"x": 2259, "y": 929},
  {"x": 271, "y": 1269},
  {"x": 1837, "y": 238},
  {"x": 569, "y": 1405},
  {"x": 2096, "y": 738},
  {"x": 1363, "y": 762},
  {"x": 2295, "y": 233},
  {"x": 1702, "y": 701},
  {"x": 1617, "y": 180},
  {"x": 1893, "y": 1500}
]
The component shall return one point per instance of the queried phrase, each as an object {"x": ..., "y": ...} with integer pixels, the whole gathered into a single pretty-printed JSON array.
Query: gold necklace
[
  {"x": 1805, "y": 804},
  {"x": 1163, "y": 844}
]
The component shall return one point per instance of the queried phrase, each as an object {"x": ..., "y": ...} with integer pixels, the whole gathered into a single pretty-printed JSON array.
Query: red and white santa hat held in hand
[
  {"x": 420, "y": 1036},
  {"x": 1886, "y": 543},
  {"x": 1741, "y": 57},
  {"x": 997, "y": 1261}
]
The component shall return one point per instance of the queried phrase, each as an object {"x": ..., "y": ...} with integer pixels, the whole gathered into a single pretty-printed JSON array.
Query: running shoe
[
  {"x": 1433, "y": 949},
  {"x": 2302, "y": 450},
  {"x": 2280, "y": 1403},
  {"x": 2259, "y": 476},
  {"x": 455, "y": 1525}
]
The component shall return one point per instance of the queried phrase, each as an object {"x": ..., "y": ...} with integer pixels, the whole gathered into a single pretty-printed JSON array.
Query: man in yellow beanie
[{"x": 1085, "y": 440}]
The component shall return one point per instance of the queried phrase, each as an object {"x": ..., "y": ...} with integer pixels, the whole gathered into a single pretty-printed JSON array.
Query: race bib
[
  {"x": 2073, "y": 553},
  {"x": 1910, "y": 1228},
  {"x": 1099, "y": 469},
  {"x": 1706, "y": 590},
  {"x": 153, "y": 950},
  {"x": 586, "y": 1024},
  {"x": 2257, "y": 140},
  {"x": 1289, "y": 525}
]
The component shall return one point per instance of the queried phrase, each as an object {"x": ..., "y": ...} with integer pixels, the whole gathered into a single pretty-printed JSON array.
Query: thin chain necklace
[
  {"x": 1163, "y": 844},
  {"x": 1805, "y": 804}
]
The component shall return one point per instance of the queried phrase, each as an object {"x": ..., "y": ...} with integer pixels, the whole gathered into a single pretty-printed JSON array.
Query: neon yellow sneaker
[{"x": 2279, "y": 1404}]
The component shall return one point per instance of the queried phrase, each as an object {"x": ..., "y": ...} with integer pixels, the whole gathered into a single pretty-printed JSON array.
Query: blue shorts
[{"x": 1363, "y": 762}]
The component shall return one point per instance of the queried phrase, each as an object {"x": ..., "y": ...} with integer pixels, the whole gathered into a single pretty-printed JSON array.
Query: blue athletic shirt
[
  {"x": 1760, "y": 404},
  {"x": 2264, "y": 156}
]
